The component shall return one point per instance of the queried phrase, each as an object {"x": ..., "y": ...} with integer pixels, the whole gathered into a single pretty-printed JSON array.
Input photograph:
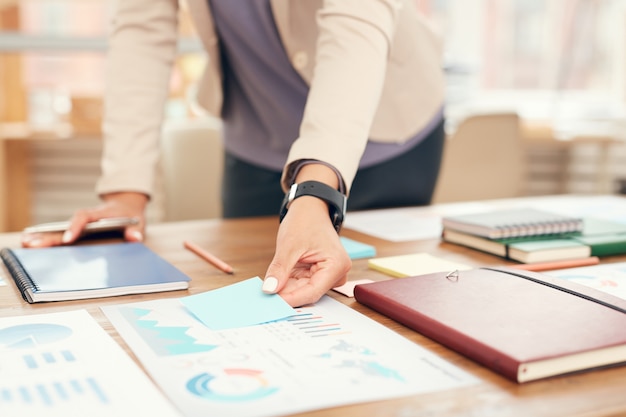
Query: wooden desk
[{"x": 248, "y": 245}]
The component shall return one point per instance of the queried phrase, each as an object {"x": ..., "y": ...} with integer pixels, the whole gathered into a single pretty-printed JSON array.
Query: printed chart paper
[
  {"x": 325, "y": 355},
  {"x": 610, "y": 278},
  {"x": 64, "y": 364},
  {"x": 3, "y": 281}
]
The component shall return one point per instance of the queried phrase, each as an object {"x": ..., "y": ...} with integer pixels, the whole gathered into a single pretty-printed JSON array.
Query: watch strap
[{"x": 336, "y": 200}]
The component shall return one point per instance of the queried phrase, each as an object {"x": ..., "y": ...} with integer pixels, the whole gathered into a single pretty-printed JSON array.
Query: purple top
[{"x": 264, "y": 96}]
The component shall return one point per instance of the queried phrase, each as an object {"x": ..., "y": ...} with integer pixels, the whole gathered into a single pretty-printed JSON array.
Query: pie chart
[
  {"x": 231, "y": 385},
  {"x": 26, "y": 336}
]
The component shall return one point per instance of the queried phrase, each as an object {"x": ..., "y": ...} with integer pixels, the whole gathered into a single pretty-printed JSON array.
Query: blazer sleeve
[
  {"x": 142, "y": 48},
  {"x": 351, "y": 56}
]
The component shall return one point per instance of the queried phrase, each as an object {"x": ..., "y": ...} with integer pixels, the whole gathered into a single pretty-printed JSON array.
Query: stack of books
[{"x": 529, "y": 235}]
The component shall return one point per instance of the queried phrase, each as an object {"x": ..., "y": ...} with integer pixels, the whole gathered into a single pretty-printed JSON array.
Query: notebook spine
[
  {"x": 23, "y": 281},
  {"x": 541, "y": 228}
]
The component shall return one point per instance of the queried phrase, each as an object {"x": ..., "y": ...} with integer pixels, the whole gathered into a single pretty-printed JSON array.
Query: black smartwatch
[{"x": 335, "y": 199}]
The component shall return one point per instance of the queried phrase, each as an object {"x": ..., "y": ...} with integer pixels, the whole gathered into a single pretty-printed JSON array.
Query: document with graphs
[
  {"x": 65, "y": 364},
  {"x": 324, "y": 355}
]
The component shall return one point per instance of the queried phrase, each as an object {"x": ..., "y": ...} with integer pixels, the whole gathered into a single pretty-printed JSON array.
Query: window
[
  {"x": 547, "y": 59},
  {"x": 52, "y": 56}
]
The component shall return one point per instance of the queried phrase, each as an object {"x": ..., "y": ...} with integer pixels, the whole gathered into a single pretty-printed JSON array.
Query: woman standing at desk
[{"x": 300, "y": 85}]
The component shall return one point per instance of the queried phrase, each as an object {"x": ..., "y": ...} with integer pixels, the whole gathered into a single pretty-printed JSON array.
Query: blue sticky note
[
  {"x": 357, "y": 250},
  {"x": 237, "y": 305}
]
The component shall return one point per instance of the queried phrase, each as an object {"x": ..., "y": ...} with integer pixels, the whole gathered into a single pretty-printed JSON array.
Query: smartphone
[{"x": 102, "y": 225}]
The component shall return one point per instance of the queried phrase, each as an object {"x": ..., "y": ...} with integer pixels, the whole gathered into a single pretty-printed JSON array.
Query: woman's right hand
[{"x": 122, "y": 204}]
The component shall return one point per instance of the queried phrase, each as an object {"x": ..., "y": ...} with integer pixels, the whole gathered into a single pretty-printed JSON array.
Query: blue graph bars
[
  {"x": 50, "y": 394},
  {"x": 34, "y": 361}
]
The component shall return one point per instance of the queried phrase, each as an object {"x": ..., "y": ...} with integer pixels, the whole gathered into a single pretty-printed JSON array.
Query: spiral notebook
[
  {"x": 90, "y": 271},
  {"x": 506, "y": 223}
]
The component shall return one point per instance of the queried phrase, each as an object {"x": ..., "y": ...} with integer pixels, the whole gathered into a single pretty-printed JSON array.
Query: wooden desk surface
[{"x": 248, "y": 245}]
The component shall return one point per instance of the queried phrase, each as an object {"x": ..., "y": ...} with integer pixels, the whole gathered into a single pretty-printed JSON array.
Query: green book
[{"x": 604, "y": 237}]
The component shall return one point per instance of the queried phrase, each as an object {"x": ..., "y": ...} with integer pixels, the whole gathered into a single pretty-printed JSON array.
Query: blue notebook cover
[{"x": 90, "y": 271}]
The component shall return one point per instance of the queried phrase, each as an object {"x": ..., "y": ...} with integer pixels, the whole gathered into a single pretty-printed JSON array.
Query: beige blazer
[{"x": 373, "y": 67}]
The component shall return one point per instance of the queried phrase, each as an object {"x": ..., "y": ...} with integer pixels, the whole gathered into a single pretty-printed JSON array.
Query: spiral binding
[{"x": 23, "y": 281}]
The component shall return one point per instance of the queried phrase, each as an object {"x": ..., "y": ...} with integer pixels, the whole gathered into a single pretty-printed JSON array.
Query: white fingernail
[
  {"x": 67, "y": 237},
  {"x": 33, "y": 243},
  {"x": 137, "y": 235},
  {"x": 269, "y": 285}
]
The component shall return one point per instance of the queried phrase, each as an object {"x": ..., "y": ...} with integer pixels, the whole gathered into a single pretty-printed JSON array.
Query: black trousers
[{"x": 407, "y": 180}]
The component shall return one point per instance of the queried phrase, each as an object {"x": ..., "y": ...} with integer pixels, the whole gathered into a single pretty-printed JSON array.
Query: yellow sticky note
[{"x": 414, "y": 264}]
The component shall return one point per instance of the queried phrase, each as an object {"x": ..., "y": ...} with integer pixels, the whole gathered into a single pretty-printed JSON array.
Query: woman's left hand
[{"x": 309, "y": 258}]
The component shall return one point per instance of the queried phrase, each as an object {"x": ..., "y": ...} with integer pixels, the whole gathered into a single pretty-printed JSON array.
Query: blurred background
[{"x": 556, "y": 70}]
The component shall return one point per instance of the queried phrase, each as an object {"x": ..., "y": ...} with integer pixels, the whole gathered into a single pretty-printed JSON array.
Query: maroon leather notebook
[{"x": 523, "y": 325}]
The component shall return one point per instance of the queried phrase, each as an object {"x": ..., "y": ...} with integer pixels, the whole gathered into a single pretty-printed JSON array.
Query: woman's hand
[
  {"x": 309, "y": 258},
  {"x": 124, "y": 204}
]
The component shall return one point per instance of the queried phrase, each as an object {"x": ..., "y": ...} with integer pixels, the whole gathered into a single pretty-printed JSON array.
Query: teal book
[
  {"x": 90, "y": 271},
  {"x": 357, "y": 250}
]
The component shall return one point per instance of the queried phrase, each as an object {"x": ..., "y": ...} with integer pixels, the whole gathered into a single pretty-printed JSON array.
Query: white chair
[
  {"x": 192, "y": 163},
  {"x": 483, "y": 159}
]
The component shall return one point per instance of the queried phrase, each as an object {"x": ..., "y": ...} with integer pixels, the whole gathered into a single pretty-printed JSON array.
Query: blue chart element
[
  {"x": 577, "y": 276},
  {"x": 96, "y": 389},
  {"x": 33, "y": 361},
  {"x": 164, "y": 340},
  {"x": 43, "y": 394},
  {"x": 56, "y": 392},
  {"x": 5, "y": 395},
  {"x": 361, "y": 358},
  {"x": 376, "y": 369},
  {"x": 30, "y": 361},
  {"x": 68, "y": 355},
  {"x": 27, "y": 336},
  {"x": 314, "y": 325},
  {"x": 234, "y": 385},
  {"x": 61, "y": 391}
]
